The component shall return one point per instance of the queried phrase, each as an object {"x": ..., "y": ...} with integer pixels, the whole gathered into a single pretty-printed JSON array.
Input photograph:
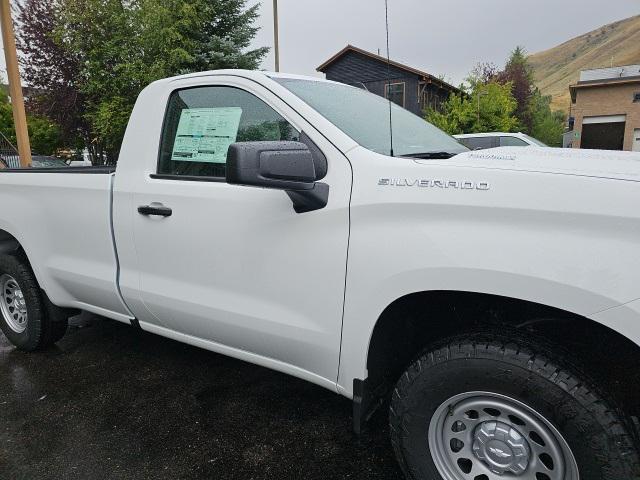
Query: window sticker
[{"x": 204, "y": 134}]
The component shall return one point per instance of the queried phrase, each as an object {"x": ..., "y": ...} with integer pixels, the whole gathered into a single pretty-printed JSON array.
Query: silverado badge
[{"x": 437, "y": 183}]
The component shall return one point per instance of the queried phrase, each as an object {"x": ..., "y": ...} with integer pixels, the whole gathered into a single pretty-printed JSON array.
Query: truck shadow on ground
[{"x": 110, "y": 402}]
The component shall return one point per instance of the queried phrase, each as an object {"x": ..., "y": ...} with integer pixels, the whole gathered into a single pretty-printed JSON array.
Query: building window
[
  {"x": 395, "y": 93},
  {"x": 636, "y": 97}
]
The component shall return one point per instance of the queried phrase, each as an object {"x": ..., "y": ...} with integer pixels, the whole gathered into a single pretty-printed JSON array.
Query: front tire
[
  {"x": 492, "y": 410},
  {"x": 26, "y": 318}
]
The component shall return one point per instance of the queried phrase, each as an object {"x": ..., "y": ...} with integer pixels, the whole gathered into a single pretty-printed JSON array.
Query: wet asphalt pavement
[{"x": 108, "y": 402}]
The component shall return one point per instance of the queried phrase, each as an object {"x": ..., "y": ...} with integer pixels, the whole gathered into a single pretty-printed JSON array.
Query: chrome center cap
[
  {"x": 501, "y": 447},
  {"x": 21, "y": 304}
]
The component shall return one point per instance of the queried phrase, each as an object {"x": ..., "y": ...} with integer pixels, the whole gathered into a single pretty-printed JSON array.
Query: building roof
[
  {"x": 426, "y": 76},
  {"x": 610, "y": 73},
  {"x": 602, "y": 82}
]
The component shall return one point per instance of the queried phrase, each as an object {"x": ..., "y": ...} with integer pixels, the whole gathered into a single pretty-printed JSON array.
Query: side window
[
  {"x": 395, "y": 93},
  {"x": 202, "y": 122},
  {"x": 512, "y": 142},
  {"x": 478, "y": 143}
]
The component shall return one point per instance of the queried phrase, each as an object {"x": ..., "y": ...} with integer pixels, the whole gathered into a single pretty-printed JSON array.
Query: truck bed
[
  {"x": 99, "y": 170},
  {"x": 62, "y": 219}
]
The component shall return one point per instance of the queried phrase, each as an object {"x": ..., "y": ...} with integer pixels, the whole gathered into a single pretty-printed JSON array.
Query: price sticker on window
[{"x": 204, "y": 134}]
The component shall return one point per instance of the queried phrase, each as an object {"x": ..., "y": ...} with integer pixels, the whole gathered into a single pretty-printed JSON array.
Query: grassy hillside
[{"x": 560, "y": 66}]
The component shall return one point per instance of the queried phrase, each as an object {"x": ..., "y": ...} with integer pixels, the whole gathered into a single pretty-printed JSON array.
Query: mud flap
[{"x": 365, "y": 404}]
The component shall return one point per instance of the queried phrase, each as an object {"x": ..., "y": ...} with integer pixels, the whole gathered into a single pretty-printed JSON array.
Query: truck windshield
[{"x": 365, "y": 118}]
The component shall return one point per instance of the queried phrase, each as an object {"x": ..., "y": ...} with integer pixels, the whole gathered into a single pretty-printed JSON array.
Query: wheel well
[
  {"x": 416, "y": 321},
  {"x": 8, "y": 242}
]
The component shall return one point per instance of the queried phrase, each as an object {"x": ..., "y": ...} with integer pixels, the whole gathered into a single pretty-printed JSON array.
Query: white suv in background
[{"x": 480, "y": 141}]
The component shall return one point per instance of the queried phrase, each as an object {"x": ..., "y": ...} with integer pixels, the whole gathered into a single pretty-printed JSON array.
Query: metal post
[
  {"x": 276, "y": 41},
  {"x": 15, "y": 87}
]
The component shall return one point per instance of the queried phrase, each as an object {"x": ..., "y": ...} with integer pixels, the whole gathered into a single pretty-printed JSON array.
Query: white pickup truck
[{"x": 490, "y": 299}]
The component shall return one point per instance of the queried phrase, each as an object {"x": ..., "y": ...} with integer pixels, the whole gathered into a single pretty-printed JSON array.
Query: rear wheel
[
  {"x": 13, "y": 304},
  {"x": 492, "y": 410},
  {"x": 25, "y": 316}
]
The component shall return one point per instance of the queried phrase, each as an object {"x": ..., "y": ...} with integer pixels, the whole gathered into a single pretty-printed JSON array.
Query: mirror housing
[{"x": 282, "y": 165}]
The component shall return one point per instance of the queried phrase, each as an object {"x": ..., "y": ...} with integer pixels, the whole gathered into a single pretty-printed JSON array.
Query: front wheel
[{"x": 490, "y": 410}]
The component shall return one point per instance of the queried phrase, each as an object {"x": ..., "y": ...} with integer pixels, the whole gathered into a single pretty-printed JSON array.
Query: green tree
[
  {"x": 486, "y": 107},
  {"x": 103, "y": 36},
  {"x": 122, "y": 45},
  {"x": 505, "y": 101},
  {"x": 6, "y": 118},
  {"x": 51, "y": 72},
  {"x": 228, "y": 28},
  {"x": 533, "y": 109},
  {"x": 519, "y": 73},
  {"x": 547, "y": 125},
  {"x": 44, "y": 134}
]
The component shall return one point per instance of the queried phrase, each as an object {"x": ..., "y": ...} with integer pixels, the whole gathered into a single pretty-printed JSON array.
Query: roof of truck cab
[{"x": 251, "y": 74}]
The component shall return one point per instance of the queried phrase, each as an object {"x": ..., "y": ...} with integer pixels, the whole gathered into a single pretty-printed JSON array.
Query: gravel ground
[{"x": 110, "y": 402}]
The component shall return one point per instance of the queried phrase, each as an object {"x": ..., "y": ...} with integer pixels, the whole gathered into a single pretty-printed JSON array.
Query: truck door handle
[{"x": 155, "y": 209}]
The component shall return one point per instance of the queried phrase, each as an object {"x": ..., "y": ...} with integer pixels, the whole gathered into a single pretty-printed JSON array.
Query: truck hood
[{"x": 562, "y": 161}]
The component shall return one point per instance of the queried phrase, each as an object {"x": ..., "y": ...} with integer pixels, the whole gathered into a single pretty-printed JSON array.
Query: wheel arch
[
  {"x": 403, "y": 330},
  {"x": 8, "y": 243}
]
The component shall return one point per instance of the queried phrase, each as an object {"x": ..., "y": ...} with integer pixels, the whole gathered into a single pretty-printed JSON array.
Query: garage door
[{"x": 603, "y": 132}]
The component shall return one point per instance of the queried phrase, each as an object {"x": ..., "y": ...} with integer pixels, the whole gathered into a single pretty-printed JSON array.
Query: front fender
[{"x": 564, "y": 241}]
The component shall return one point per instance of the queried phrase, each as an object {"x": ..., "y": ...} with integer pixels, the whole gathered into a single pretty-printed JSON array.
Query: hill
[{"x": 558, "y": 67}]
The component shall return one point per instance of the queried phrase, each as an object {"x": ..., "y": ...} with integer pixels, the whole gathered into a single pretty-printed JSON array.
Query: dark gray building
[{"x": 408, "y": 87}]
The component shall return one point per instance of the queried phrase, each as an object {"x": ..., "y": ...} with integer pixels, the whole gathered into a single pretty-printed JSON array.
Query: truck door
[{"x": 231, "y": 265}]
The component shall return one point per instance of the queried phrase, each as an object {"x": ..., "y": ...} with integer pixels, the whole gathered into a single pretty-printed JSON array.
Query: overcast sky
[{"x": 441, "y": 37}]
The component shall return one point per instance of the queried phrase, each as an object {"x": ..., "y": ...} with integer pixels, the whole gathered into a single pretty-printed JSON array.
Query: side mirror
[{"x": 281, "y": 165}]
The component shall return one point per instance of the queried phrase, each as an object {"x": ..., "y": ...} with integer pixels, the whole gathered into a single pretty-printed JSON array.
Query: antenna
[{"x": 386, "y": 18}]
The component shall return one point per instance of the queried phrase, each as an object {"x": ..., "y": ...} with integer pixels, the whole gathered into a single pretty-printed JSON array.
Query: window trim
[
  {"x": 404, "y": 91},
  {"x": 205, "y": 178},
  {"x": 495, "y": 141},
  {"x": 636, "y": 97},
  {"x": 524, "y": 142},
  {"x": 187, "y": 178}
]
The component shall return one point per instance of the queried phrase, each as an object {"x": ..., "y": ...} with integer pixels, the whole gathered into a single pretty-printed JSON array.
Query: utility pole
[
  {"x": 276, "y": 40},
  {"x": 15, "y": 87}
]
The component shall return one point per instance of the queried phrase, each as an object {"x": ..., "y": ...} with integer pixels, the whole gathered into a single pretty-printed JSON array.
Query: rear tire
[
  {"x": 26, "y": 318},
  {"x": 466, "y": 410}
]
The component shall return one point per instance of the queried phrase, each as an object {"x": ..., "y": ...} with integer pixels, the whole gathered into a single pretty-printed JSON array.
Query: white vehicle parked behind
[{"x": 481, "y": 141}]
